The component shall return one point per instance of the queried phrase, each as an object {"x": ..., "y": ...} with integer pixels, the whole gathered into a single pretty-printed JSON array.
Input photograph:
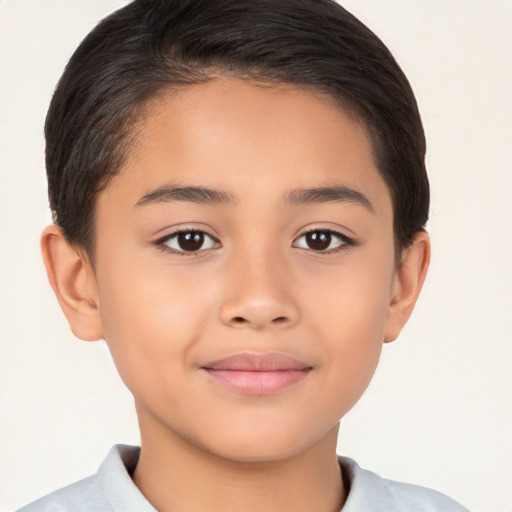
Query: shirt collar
[
  {"x": 115, "y": 477},
  {"x": 367, "y": 490}
]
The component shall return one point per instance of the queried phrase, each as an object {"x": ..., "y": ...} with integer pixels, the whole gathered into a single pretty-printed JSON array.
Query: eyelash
[
  {"x": 344, "y": 239},
  {"x": 161, "y": 243}
]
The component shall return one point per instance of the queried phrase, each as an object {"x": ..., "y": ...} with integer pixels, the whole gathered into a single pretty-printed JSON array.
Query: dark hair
[{"x": 150, "y": 46}]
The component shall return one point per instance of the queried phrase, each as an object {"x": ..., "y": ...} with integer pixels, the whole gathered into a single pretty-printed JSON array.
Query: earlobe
[
  {"x": 409, "y": 278},
  {"x": 72, "y": 278}
]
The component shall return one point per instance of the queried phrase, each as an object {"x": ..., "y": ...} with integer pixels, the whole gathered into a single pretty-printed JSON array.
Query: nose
[{"x": 259, "y": 294}]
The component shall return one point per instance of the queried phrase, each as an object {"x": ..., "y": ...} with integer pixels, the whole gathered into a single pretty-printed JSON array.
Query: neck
[{"x": 175, "y": 475}]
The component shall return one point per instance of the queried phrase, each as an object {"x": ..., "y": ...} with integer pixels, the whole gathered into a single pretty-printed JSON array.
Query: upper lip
[{"x": 257, "y": 363}]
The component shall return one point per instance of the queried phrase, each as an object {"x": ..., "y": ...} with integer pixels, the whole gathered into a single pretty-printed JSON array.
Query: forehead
[{"x": 245, "y": 137}]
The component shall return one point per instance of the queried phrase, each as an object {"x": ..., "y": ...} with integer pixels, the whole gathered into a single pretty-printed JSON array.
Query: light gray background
[{"x": 438, "y": 412}]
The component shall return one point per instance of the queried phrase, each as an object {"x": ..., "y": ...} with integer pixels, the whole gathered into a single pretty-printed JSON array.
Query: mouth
[{"x": 257, "y": 374}]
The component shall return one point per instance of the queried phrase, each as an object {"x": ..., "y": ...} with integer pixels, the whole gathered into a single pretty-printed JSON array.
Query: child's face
[{"x": 254, "y": 283}]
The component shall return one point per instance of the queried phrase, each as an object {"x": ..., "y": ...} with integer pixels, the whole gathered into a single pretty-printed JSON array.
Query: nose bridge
[{"x": 260, "y": 289}]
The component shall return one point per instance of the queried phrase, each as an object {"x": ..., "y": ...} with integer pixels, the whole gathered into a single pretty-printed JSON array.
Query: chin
[
  {"x": 259, "y": 454},
  {"x": 261, "y": 445}
]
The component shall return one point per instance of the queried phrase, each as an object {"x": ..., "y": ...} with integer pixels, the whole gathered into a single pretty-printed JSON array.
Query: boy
[{"x": 239, "y": 196}]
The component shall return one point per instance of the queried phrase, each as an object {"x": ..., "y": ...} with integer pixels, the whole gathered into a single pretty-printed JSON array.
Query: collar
[{"x": 367, "y": 491}]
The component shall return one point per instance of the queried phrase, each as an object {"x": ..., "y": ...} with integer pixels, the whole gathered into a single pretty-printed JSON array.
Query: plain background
[{"x": 438, "y": 412}]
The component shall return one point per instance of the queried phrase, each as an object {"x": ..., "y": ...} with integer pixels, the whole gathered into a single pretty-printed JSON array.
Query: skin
[{"x": 255, "y": 287}]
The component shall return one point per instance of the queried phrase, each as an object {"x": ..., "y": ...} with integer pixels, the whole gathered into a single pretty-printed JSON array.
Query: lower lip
[{"x": 258, "y": 382}]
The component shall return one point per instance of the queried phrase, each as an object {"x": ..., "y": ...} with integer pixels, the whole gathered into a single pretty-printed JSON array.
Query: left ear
[{"x": 408, "y": 281}]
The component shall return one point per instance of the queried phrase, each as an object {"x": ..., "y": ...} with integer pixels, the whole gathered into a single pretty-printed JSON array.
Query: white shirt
[{"x": 111, "y": 489}]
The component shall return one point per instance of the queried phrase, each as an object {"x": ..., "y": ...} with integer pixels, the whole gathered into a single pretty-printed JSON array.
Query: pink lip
[{"x": 257, "y": 374}]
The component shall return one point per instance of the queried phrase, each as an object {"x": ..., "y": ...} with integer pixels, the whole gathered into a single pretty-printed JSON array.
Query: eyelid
[
  {"x": 346, "y": 240},
  {"x": 161, "y": 241}
]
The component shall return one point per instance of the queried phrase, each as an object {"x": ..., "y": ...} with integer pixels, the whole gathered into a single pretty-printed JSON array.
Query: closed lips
[{"x": 257, "y": 374}]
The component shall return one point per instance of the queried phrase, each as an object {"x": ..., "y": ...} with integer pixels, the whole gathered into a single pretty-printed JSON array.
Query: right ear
[{"x": 73, "y": 280}]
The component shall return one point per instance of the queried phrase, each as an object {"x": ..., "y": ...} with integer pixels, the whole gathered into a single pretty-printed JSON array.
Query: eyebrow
[
  {"x": 194, "y": 194},
  {"x": 328, "y": 194},
  {"x": 296, "y": 197}
]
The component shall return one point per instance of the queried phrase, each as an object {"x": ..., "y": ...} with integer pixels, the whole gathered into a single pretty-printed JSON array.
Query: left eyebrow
[
  {"x": 329, "y": 194},
  {"x": 194, "y": 194}
]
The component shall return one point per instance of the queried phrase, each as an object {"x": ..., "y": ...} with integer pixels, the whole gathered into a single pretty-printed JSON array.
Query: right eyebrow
[
  {"x": 328, "y": 194},
  {"x": 194, "y": 194}
]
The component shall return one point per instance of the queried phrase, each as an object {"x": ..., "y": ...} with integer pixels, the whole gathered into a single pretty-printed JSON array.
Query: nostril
[
  {"x": 239, "y": 319},
  {"x": 280, "y": 320}
]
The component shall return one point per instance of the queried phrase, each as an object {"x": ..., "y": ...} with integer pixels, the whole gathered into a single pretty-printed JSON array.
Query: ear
[
  {"x": 73, "y": 280},
  {"x": 408, "y": 281}
]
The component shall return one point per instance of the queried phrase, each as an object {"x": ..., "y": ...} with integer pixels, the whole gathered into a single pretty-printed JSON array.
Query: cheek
[
  {"x": 152, "y": 318},
  {"x": 350, "y": 310},
  {"x": 351, "y": 298}
]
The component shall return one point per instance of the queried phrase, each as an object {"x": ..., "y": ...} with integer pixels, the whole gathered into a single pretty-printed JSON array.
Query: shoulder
[
  {"x": 370, "y": 492},
  {"x": 110, "y": 490},
  {"x": 82, "y": 496}
]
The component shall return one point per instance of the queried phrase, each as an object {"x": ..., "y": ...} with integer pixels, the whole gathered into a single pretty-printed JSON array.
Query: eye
[
  {"x": 322, "y": 240},
  {"x": 187, "y": 241}
]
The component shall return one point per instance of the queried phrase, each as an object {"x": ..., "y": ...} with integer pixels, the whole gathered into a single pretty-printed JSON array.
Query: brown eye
[
  {"x": 318, "y": 240},
  {"x": 192, "y": 241},
  {"x": 188, "y": 241},
  {"x": 322, "y": 240}
]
